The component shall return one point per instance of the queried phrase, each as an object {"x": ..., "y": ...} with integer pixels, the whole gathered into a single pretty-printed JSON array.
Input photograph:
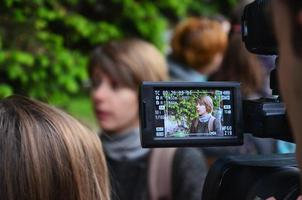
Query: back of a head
[
  {"x": 46, "y": 154},
  {"x": 196, "y": 41},
  {"x": 129, "y": 62}
]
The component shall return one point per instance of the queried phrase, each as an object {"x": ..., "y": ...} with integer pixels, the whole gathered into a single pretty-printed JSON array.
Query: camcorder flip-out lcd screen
[{"x": 190, "y": 114}]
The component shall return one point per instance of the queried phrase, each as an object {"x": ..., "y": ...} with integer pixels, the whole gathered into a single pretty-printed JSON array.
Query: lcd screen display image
[
  {"x": 190, "y": 114},
  {"x": 193, "y": 113}
]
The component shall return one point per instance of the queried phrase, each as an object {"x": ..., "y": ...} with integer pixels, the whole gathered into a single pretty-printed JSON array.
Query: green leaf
[
  {"x": 15, "y": 71},
  {"x": 22, "y": 58},
  {"x": 9, "y": 3},
  {"x": 71, "y": 86},
  {"x": 2, "y": 57},
  {"x": 80, "y": 24},
  {"x": 40, "y": 23},
  {"x": 18, "y": 15},
  {"x": 43, "y": 61},
  {"x": 47, "y": 14},
  {"x": 5, "y": 90}
]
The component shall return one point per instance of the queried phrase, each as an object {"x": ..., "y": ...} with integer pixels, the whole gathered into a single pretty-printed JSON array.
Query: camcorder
[{"x": 190, "y": 114}]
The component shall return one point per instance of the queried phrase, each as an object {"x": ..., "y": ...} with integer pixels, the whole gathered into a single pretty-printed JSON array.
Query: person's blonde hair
[
  {"x": 129, "y": 62},
  {"x": 196, "y": 41},
  {"x": 207, "y": 102},
  {"x": 46, "y": 154}
]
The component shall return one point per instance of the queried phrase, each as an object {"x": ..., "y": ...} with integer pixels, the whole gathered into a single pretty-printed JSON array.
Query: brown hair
[
  {"x": 207, "y": 102},
  {"x": 294, "y": 7},
  {"x": 196, "y": 41},
  {"x": 240, "y": 65},
  {"x": 46, "y": 154},
  {"x": 129, "y": 62}
]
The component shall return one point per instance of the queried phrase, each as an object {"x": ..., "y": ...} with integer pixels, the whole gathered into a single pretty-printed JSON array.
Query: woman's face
[
  {"x": 201, "y": 109},
  {"x": 115, "y": 106}
]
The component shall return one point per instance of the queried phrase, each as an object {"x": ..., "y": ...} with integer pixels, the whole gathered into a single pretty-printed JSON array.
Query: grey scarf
[
  {"x": 123, "y": 146},
  {"x": 205, "y": 117}
]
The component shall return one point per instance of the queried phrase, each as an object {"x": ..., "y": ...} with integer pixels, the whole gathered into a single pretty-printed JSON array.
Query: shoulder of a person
[{"x": 215, "y": 120}]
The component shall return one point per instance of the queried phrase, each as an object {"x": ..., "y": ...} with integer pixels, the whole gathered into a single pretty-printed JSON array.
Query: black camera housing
[
  {"x": 253, "y": 178},
  {"x": 266, "y": 118},
  {"x": 257, "y": 28}
]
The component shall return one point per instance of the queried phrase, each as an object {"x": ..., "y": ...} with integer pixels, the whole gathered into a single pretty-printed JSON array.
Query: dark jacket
[
  {"x": 129, "y": 178},
  {"x": 203, "y": 127}
]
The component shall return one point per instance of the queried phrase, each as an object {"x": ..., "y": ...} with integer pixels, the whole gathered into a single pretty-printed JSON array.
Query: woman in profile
[
  {"x": 116, "y": 71},
  {"x": 206, "y": 122},
  {"x": 47, "y": 155}
]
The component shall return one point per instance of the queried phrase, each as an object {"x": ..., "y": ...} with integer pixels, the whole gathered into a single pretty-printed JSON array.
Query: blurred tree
[{"x": 44, "y": 43}]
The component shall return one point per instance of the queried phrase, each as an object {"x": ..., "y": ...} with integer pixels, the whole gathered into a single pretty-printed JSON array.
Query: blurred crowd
[{"x": 201, "y": 49}]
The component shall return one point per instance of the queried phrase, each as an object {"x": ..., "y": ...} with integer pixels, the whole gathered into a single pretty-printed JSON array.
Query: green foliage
[
  {"x": 44, "y": 45},
  {"x": 5, "y": 90},
  {"x": 184, "y": 110},
  {"x": 40, "y": 59},
  {"x": 81, "y": 108}
]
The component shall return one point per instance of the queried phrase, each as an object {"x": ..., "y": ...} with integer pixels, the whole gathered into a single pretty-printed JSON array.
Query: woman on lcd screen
[{"x": 206, "y": 122}]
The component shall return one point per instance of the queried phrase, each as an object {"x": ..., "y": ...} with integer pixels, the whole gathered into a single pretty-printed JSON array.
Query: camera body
[
  {"x": 253, "y": 177},
  {"x": 262, "y": 176},
  {"x": 169, "y": 115},
  {"x": 235, "y": 177},
  {"x": 265, "y": 118},
  {"x": 257, "y": 28}
]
